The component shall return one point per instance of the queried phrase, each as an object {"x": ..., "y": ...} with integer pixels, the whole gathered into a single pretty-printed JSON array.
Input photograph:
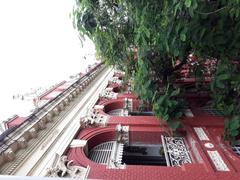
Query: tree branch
[{"x": 213, "y": 12}]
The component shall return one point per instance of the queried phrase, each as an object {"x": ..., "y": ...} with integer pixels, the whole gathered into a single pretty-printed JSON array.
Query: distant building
[{"x": 13, "y": 121}]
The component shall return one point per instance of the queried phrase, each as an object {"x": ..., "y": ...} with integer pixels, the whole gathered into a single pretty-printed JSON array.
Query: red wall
[{"x": 148, "y": 129}]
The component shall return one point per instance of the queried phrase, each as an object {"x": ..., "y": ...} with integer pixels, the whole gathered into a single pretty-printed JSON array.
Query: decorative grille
[
  {"x": 108, "y": 153},
  {"x": 175, "y": 150},
  {"x": 118, "y": 112},
  {"x": 102, "y": 152},
  {"x": 236, "y": 149}
]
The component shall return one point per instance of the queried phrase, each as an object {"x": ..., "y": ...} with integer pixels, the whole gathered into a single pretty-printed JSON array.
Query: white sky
[{"x": 38, "y": 47}]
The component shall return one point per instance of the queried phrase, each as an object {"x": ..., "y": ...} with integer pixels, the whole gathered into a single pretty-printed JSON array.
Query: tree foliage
[{"x": 151, "y": 40}]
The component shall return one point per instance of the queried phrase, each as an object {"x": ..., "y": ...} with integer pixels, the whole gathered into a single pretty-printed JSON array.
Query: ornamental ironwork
[
  {"x": 175, "y": 150},
  {"x": 236, "y": 149},
  {"x": 102, "y": 152},
  {"x": 108, "y": 153}
]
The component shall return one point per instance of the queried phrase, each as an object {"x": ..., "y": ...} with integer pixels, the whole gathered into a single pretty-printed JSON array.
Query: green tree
[{"x": 148, "y": 38}]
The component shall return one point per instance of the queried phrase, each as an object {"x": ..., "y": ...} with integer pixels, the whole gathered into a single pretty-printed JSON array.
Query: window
[
  {"x": 175, "y": 150},
  {"x": 118, "y": 112},
  {"x": 144, "y": 154},
  {"x": 172, "y": 152},
  {"x": 102, "y": 152},
  {"x": 212, "y": 111}
]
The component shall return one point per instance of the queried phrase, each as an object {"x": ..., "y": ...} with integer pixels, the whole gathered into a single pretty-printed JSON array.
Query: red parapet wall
[
  {"x": 15, "y": 121},
  {"x": 44, "y": 96}
]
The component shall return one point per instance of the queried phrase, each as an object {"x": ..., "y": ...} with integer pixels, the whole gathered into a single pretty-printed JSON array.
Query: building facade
[{"x": 102, "y": 132}]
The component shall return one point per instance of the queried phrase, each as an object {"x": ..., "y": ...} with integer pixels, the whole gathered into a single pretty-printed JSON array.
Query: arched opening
[
  {"x": 134, "y": 154},
  {"x": 116, "y": 108},
  {"x": 102, "y": 152},
  {"x": 126, "y": 107},
  {"x": 116, "y": 112},
  {"x": 137, "y": 153}
]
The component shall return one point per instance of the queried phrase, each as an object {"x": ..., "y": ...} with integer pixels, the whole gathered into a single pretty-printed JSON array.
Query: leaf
[
  {"x": 234, "y": 124},
  {"x": 188, "y": 3},
  {"x": 194, "y": 4},
  {"x": 212, "y": 86},
  {"x": 156, "y": 107},
  {"x": 230, "y": 109},
  {"x": 220, "y": 40},
  {"x": 178, "y": 27},
  {"x": 147, "y": 32},
  {"x": 161, "y": 99},
  {"x": 178, "y": 115},
  {"x": 174, "y": 103},
  {"x": 183, "y": 37},
  {"x": 176, "y": 52},
  {"x": 166, "y": 111},
  {"x": 176, "y": 8},
  {"x": 226, "y": 124},
  {"x": 166, "y": 117},
  {"x": 219, "y": 84},
  {"x": 174, "y": 124},
  {"x": 154, "y": 96},
  {"x": 233, "y": 141},
  {"x": 175, "y": 92},
  {"x": 167, "y": 46},
  {"x": 234, "y": 132},
  {"x": 223, "y": 76},
  {"x": 191, "y": 12},
  {"x": 202, "y": 32}
]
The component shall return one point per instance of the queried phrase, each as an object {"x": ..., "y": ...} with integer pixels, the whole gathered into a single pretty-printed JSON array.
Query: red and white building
[{"x": 94, "y": 129}]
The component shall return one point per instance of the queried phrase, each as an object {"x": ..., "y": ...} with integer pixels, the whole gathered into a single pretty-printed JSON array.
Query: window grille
[
  {"x": 236, "y": 149},
  {"x": 102, "y": 152},
  {"x": 118, "y": 112},
  {"x": 176, "y": 152},
  {"x": 212, "y": 111},
  {"x": 107, "y": 153},
  {"x": 111, "y": 153}
]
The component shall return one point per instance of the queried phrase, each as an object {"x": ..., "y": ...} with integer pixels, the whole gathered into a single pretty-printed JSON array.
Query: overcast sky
[{"x": 38, "y": 46}]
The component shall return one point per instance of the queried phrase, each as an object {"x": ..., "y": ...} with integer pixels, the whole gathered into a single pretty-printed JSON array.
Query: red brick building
[
  {"x": 116, "y": 143},
  {"x": 83, "y": 134}
]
